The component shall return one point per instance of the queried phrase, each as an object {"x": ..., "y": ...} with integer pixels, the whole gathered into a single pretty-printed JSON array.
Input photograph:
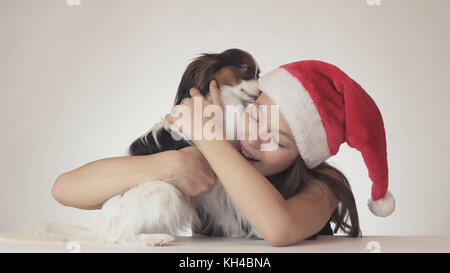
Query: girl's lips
[{"x": 246, "y": 153}]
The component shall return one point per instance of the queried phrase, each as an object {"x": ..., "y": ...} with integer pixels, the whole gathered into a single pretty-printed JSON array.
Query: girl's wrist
[
  {"x": 210, "y": 140},
  {"x": 166, "y": 170},
  {"x": 205, "y": 145}
]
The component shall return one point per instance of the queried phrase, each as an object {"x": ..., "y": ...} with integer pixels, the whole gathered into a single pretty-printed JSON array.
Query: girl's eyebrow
[{"x": 284, "y": 133}]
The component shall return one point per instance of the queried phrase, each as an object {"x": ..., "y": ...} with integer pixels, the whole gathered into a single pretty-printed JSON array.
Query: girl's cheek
[
  {"x": 281, "y": 159},
  {"x": 274, "y": 161}
]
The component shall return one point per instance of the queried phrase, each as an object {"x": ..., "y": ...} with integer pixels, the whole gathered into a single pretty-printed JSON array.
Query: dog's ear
[{"x": 198, "y": 74}]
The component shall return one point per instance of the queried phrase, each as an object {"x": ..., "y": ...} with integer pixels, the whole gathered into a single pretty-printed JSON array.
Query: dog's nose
[{"x": 256, "y": 94}]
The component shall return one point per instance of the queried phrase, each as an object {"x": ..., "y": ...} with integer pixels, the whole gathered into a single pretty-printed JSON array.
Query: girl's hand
[
  {"x": 212, "y": 117},
  {"x": 192, "y": 173}
]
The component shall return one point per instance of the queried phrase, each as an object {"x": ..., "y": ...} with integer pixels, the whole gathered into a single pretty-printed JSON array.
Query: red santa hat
[{"x": 325, "y": 108}]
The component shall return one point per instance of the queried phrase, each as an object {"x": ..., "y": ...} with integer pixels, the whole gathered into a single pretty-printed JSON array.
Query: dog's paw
[{"x": 157, "y": 239}]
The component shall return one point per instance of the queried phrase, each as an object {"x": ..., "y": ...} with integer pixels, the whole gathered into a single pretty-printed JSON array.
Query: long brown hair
[{"x": 295, "y": 178}]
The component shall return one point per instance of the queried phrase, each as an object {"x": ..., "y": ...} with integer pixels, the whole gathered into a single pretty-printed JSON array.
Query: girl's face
[{"x": 272, "y": 161}]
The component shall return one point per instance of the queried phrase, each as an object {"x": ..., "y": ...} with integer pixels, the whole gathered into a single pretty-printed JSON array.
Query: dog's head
[{"x": 235, "y": 71}]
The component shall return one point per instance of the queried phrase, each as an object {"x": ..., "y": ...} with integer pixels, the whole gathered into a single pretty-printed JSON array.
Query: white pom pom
[{"x": 382, "y": 207}]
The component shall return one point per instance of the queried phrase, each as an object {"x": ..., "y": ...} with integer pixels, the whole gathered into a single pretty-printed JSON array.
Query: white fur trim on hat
[
  {"x": 382, "y": 207},
  {"x": 300, "y": 112}
]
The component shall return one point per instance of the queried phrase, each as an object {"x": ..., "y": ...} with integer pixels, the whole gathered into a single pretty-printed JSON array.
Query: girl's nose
[
  {"x": 255, "y": 143},
  {"x": 260, "y": 140},
  {"x": 251, "y": 128}
]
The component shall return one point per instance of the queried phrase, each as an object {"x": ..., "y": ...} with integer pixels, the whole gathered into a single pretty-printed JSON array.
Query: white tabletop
[{"x": 220, "y": 245}]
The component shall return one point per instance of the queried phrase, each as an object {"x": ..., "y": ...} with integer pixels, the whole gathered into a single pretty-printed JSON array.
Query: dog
[{"x": 152, "y": 213}]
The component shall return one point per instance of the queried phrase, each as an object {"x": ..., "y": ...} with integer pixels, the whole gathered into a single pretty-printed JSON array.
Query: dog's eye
[{"x": 248, "y": 70}]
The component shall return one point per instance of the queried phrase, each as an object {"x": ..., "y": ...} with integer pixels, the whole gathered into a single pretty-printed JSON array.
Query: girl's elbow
[
  {"x": 59, "y": 189},
  {"x": 280, "y": 237},
  {"x": 276, "y": 240},
  {"x": 280, "y": 240},
  {"x": 285, "y": 236}
]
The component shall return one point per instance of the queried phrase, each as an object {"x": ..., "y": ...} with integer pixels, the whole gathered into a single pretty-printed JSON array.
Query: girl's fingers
[
  {"x": 169, "y": 118},
  {"x": 214, "y": 92},
  {"x": 195, "y": 92}
]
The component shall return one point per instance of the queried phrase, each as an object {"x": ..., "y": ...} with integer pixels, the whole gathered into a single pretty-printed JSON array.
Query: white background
[{"x": 80, "y": 83}]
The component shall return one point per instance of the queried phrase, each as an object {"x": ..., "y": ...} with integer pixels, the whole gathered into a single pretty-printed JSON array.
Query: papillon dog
[{"x": 152, "y": 213}]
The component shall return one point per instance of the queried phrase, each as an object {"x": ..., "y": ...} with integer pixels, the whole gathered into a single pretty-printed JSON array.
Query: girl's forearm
[
  {"x": 90, "y": 185},
  {"x": 254, "y": 195}
]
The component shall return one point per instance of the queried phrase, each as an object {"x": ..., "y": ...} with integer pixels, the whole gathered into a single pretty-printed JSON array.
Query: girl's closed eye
[
  {"x": 277, "y": 140},
  {"x": 282, "y": 146}
]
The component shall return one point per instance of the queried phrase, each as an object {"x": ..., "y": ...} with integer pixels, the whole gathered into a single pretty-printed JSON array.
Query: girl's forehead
[{"x": 264, "y": 99}]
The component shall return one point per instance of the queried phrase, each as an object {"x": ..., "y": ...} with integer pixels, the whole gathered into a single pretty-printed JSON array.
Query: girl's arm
[{"x": 90, "y": 185}]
